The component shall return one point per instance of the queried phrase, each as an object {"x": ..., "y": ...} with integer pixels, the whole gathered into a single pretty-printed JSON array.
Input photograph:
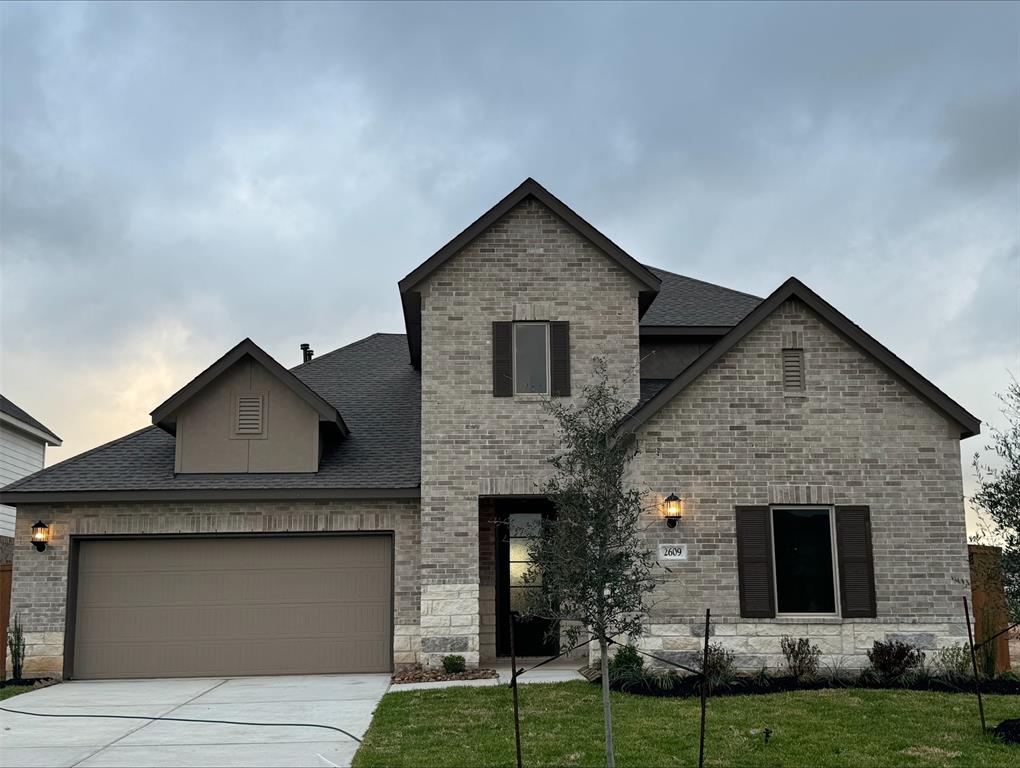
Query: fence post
[
  {"x": 973, "y": 661},
  {"x": 513, "y": 687},
  {"x": 704, "y": 691}
]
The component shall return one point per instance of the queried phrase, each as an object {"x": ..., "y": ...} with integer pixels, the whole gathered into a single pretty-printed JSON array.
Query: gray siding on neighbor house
[
  {"x": 40, "y": 578},
  {"x": 529, "y": 266},
  {"x": 21, "y": 454},
  {"x": 855, "y": 435}
]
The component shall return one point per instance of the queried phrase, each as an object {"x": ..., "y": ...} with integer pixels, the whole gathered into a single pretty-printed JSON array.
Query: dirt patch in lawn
[{"x": 933, "y": 753}]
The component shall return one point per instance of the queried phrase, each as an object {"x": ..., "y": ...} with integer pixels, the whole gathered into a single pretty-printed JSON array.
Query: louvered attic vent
[
  {"x": 793, "y": 369},
  {"x": 249, "y": 415}
]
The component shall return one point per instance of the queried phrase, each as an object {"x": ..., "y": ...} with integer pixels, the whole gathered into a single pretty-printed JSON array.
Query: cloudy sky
[{"x": 177, "y": 177}]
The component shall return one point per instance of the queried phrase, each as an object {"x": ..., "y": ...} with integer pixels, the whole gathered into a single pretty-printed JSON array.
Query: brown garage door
[{"x": 179, "y": 607}]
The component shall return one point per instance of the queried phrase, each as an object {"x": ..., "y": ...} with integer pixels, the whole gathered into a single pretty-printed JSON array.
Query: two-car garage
[{"x": 181, "y": 606}]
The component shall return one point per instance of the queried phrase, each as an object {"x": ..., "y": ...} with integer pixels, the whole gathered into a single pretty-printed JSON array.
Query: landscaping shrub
[
  {"x": 717, "y": 666},
  {"x": 801, "y": 656},
  {"x": 626, "y": 664},
  {"x": 16, "y": 645},
  {"x": 453, "y": 664},
  {"x": 953, "y": 662},
  {"x": 892, "y": 658}
]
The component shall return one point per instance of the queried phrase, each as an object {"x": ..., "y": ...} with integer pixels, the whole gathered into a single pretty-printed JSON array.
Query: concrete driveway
[{"x": 341, "y": 701}]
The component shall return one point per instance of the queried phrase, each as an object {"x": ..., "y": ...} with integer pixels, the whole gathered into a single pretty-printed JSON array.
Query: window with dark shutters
[
  {"x": 559, "y": 356},
  {"x": 754, "y": 563},
  {"x": 502, "y": 360},
  {"x": 856, "y": 563}
]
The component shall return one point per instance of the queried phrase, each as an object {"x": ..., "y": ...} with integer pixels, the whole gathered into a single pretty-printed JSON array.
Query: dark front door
[{"x": 519, "y": 523}]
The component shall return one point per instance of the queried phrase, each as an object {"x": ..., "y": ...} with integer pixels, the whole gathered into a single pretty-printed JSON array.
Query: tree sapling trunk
[{"x": 607, "y": 712}]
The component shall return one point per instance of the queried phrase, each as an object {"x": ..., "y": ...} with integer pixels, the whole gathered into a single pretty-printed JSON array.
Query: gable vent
[
  {"x": 249, "y": 415},
  {"x": 793, "y": 369}
]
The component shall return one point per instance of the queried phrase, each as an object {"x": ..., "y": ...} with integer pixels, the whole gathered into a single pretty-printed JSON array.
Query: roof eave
[
  {"x": 22, "y": 498},
  {"x": 42, "y": 434}
]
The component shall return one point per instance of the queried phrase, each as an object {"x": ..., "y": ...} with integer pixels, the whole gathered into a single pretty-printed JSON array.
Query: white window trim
[
  {"x": 548, "y": 359},
  {"x": 837, "y": 613}
]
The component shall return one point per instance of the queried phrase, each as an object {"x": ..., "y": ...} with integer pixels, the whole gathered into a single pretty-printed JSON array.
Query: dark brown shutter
[
  {"x": 856, "y": 565},
  {"x": 754, "y": 563},
  {"x": 502, "y": 362},
  {"x": 559, "y": 356}
]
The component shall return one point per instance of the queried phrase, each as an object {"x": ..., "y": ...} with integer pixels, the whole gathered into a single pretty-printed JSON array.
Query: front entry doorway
[{"x": 518, "y": 523}]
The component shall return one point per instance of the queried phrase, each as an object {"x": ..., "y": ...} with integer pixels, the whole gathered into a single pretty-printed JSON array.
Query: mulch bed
[
  {"x": 418, "y": 674},
  {"x": 688, "y": 685},
  {"x": 40, "y": 682}
]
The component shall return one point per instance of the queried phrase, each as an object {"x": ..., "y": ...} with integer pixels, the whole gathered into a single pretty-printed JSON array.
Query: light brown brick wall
[
  {"x": 529, "y": 265},
  {"x": 856, "y": 435},
  {"x": 39, "y": 593}
]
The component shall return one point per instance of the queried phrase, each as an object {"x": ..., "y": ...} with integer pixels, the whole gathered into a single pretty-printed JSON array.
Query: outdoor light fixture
[
  {"x": 40, "y": 535},
  {"x": 672, "y": 509}
]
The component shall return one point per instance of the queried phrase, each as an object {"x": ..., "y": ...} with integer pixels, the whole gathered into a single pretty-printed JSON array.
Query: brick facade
[
  {"x": 40, "y": 578},
  {"x": 855, "y": 435},
  {"x": 528, "y": 266}
]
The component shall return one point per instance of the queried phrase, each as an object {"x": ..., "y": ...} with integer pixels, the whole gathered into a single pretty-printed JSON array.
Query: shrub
[
  {"x": 626, "y": 664},
  {"x": 891, "y": 659},
  {"x": 453, "y": 664},
  {"x": 16, "y": 645},
  {"x": 801, "y": 656},
  {"x": 719, "y": 668},
  {"x": 953, "y": 662}
]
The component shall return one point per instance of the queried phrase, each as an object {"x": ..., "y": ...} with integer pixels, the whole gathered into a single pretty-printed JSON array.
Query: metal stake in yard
[
  {"x": 513, "y": 687},
  {"x": 973, "y": 660},
  {"x": 704, "y": 691}
]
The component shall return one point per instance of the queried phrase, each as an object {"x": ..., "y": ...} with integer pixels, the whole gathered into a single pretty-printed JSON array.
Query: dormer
[{"x": 246, "y": 413}]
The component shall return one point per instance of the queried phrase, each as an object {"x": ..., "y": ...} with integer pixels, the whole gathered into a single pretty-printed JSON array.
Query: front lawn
[
  {"x": 561, "y": 724},
  {"x": 13, "y": 690}
]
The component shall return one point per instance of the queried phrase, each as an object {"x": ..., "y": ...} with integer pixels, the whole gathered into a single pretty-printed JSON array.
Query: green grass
[
  {"x": 13, "y": 690},
  {"x": 561, "y": 724}
]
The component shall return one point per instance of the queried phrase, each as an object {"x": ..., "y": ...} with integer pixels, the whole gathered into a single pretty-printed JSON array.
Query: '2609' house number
[{"x": 672, "y": 551}]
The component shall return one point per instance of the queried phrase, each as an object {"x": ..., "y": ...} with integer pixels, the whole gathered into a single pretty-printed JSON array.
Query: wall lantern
[
  {"x": 40, "y": 535},
  {"x": 672, "y": 509}
]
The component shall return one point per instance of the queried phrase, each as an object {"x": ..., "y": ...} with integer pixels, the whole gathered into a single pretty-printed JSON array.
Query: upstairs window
[{"x": 531, "y": 358}]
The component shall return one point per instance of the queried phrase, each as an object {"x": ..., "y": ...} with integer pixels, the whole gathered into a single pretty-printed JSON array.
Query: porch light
[
  {"x": 672, "y": 509},
  {"x": 40, "y": 535}
]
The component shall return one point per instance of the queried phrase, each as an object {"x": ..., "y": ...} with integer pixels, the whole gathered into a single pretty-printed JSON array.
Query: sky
[{"x": 174, "y": 178}]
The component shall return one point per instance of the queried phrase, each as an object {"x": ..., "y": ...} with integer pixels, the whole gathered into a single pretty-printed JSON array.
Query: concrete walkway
[{"x": 342, "y": 701}]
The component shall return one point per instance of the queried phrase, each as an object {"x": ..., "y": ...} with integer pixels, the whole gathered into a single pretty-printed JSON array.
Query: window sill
[{"x": 531, "y": 398}]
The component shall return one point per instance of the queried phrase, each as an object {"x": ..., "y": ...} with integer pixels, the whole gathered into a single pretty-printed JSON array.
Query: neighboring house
[
  {"x": 341, "y": 516},
  {"x": 23, "y": 442}
]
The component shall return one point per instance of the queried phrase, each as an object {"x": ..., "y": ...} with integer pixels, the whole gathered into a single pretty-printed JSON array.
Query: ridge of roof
[
  {"x": 793, "y": 288},
  {"x": 653, "y": 269}
]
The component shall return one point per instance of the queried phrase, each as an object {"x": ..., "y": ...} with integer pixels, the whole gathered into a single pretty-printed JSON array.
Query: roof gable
[
  {"x": 165, "y": 415},
  {"x": 795, "y": 289},
  {"x": 409, "y": 286}
]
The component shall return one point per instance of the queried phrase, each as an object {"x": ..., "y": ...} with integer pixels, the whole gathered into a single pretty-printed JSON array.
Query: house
[
  {"x": 341, "y": 515},
  {"x": 23, "y": 442}
]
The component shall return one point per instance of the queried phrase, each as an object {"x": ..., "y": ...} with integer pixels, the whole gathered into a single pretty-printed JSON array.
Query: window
[
  {"x": 803, "y": 545},
  {"x": 531, "y": 358}
]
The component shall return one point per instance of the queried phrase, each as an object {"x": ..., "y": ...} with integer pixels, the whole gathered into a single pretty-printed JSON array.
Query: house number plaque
[{"x": 672, "y": 551}]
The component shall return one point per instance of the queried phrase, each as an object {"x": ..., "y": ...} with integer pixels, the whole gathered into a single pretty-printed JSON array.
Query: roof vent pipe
[{"x": 306, "y": 353}]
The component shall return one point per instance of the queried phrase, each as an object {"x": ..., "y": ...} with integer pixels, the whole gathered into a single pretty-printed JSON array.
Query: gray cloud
[{"x": 175, "y": 177}]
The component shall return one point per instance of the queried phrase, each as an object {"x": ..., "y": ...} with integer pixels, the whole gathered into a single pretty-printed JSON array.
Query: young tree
[
  {"x": 999, "y": 494},
  {"x": 593, "y": 572}
]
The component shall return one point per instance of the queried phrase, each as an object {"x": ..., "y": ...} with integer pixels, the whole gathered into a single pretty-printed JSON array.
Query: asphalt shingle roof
[
  {"x": 686, "y": 301},
  {"x": 371, "y": 382},
  {"x": 6, "y": 406},
  {"x": 373, "y": 385}
]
